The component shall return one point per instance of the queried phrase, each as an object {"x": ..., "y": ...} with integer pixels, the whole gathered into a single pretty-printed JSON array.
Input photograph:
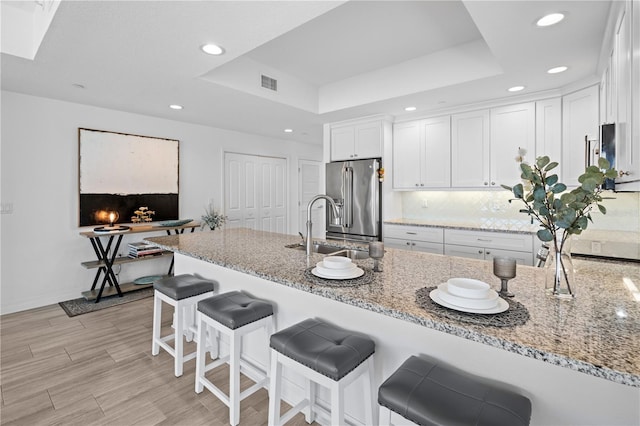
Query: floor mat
[{"x": 82, "y": 306}]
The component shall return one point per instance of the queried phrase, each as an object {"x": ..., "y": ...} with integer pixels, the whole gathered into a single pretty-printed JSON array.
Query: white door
[
  {"x": 579, "y": 121},
  {"x": 407, "y": 162},
  {"x": 342, "y": 143},
  {"x": 309, "y": 184},
  {"x": 470, "y": 149},
  {"x": 512, "y": 127},
  {"x": 436, "y": 169},
  {"x": 255, "y": 192}
]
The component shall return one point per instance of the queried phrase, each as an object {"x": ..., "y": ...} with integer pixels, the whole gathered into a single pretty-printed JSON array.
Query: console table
[{"x": 103, "y": 243}]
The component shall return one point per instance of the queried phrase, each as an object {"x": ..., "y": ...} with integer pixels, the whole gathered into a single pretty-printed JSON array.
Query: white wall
[{"x": 41, "y": 248}]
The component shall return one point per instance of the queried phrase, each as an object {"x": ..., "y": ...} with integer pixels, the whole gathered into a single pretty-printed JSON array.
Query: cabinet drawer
[
  {"x": 464, "y": 251},
  {"x": 426, "y": 247},
  {"x": 416, "y": 233},
  {"x": 494, "y": 240},
  {"x": 522, "y": 258}
]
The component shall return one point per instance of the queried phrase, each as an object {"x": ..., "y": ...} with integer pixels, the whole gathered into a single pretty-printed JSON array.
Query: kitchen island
[{"x": 578, "y": 361}]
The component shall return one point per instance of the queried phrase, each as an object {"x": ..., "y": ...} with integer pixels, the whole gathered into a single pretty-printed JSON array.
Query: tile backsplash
[{"x": 490, "y": 207}]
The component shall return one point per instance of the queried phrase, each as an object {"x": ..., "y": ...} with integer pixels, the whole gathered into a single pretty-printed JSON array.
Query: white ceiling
[{"x": 333, "y": 60}]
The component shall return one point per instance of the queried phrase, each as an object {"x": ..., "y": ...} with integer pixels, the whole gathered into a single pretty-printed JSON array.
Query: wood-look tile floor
[{"x": 97, "y": 369}]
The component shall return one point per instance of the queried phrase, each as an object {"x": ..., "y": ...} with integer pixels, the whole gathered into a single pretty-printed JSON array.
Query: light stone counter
[
  {"x": 491, "y": 224},
  {"x": 597, "y": 333}
]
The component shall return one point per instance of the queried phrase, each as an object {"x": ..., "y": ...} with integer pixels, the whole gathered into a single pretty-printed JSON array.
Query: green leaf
[
  {"x": 518, "y": 191},
  {"x": 539, "y": 194},
  {"x": 542, "y": 161},
  {"x": 603, "y": 163},
  {"x": 544, "y": 235},
  {"x": 589, "y": 184},
  {"x": 582, "y": 222},
  {"x": 551, "y": 166},
  {"x": 611, "y": 174},
  {"x": 508, "y": 188},
  {"x": 551, "y": 180},
  {"x": 544, "y": 211},
  {"x": 567, "y": 198},
  {"x": 558, "y": 188},
  {"x": 602, "y": 209}
]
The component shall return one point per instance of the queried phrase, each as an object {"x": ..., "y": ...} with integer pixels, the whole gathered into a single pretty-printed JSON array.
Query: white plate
[
  {"x": 501, "y": 307},
  {"x": 320, "y": 267},
  {"x": 468, "y": 287},
  {"x": 337, "y": 262},
  {"x": 354, "y": 274},
  {"x": 489, "y": 302}
]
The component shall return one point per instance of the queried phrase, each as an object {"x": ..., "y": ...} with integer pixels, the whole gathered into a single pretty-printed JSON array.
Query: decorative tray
[{"x": 168, "y": 223}]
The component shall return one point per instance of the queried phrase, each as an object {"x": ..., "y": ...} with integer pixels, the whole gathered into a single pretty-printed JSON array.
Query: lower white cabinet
[
  {"x": 487, "y": 245},
  {"x": 416, "y": 238}
]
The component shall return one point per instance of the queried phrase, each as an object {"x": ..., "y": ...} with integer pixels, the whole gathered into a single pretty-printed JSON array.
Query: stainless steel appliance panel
[{"x": 355, "y": 188}]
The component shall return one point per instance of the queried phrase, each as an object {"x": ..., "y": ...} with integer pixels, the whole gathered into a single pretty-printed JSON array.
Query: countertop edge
[
  {"x": 628, "y": 379},
  {"x": 469, "y": 227}
]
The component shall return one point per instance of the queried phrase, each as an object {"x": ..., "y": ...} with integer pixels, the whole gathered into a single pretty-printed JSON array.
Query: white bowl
[
  {"x": 489, "y": 303},
  {"x": 468, "y": 287},
  {"x": 336, "y": 273},
  {"x": 337, "y": 262}
]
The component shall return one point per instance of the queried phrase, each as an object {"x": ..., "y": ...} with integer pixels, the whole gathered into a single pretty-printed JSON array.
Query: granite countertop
[{"x": 596, "y": 333}]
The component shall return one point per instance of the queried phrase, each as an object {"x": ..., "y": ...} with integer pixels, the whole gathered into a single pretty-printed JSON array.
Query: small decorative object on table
[
  {"x": 505, "y": 269},
  {"x": 143, "y": 214},
  {"x": 113, "y": 227},
  {"x": 376, "y": 252},
  {"x": 212, "y": 218},
  {"x": 560, "y": 213}
]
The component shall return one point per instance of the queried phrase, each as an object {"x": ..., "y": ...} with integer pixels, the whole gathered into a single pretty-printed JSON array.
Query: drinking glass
[
  {"x": 505, "y": 269},
  {"x": 376, "y": 252}
]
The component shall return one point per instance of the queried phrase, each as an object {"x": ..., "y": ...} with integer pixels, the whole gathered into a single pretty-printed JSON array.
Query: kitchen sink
[{"x": 333, "y": 251}]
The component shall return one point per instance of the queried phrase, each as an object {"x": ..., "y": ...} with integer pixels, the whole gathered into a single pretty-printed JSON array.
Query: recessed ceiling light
[
  {"x": 551, "y": 19},
  {"x": 515, "y": 88},
  {"x": 411, "y": 108},
  {"x": 288, "y": 130},
  {"x": 557, "y": 70},
  {"x": 212, "y": 49},
  {"x": 175, "y": 106}
]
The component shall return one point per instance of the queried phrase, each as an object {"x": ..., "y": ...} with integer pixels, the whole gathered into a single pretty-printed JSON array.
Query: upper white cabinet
[
  {"x": 470, "y": 149},
  {"x": 579, "y": 133},
  {"x": 512, "y": 127},
  {"x": 357, "y": 141},
  {"x": 421, "y": 154},
  {"x": 548, "y": 129}
]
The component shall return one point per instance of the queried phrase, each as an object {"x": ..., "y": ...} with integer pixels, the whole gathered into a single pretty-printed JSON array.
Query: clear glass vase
[{"x": 559, "y": 274}]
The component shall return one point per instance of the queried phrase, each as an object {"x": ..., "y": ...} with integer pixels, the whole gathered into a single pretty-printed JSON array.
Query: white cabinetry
[
  {"x": 470, "y": 149},
  {"x": 579, "y": 133},
  {"x": 356, "y": 141},
  {"x": 487, "y": 245},
  {"x": 512, "y": 128},
  {"x": 548, "y": 129},
  {"x": 417, "y": 238},
  {"x": 422, "y": 154}
]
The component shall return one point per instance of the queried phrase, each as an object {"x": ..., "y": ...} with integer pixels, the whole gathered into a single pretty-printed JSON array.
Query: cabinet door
[
  {"x": 624, "y": 148},
  {"x": 368, "y": 140},
  {"x": 522, "y": 258},
  {"x": 470, "y": 149},
  {"x": 512, "y": 128},
  {"x": 549, "y": 130},
  {"x": 396, "y": 243},
  {"x": 464, "y": 251},
  {"x": 406, "y": 158},
  {"x": 436, "y": 155},
  {"x": 579, "y": 121},
  {"x": 425, "y": 247},
  {"x": 342, "y": 143}
]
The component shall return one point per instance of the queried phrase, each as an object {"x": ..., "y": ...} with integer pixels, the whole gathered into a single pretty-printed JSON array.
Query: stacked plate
[
  {"x": 337, "y": 268},
  {"x": 468, "y": 295}
]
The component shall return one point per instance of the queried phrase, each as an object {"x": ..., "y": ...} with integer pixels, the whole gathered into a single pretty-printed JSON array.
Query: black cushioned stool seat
[
  {"x": 326, "y": 355},
  {"x": 235, "y": 309},
  {"x": 430, "y": 394},
  {"x": 234, "y": 314},
  {"x": 325, "y": 348},
  {"x": 183, "y": 286},
  {"x": 182, "y": 292}
]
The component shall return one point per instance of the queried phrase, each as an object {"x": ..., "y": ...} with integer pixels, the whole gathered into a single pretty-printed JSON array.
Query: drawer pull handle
[
  {"x": 484, "y": 240},
  {"x": 412, "y": 233}
]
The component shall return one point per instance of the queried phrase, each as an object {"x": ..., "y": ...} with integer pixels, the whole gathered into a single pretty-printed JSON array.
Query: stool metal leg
[
  {"x": 369, "y": 396},
  {"x": 179, "y": 342},
  {"x": 200, "y": 354},
  {"x": 234, "y": 379},
  {"x": 275, "y": 388}
]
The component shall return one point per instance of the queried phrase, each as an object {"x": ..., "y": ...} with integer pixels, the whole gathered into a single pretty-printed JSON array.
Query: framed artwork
[{"x": 119, "y": 173}]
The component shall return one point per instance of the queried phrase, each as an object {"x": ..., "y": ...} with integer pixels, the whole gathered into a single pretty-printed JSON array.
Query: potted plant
[
  {"x": 560, "y": 213},
  {"x": 212, "y": 218}
]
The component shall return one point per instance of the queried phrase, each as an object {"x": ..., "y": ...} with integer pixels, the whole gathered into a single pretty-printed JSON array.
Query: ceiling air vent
[{"x": 269, "y": 83}]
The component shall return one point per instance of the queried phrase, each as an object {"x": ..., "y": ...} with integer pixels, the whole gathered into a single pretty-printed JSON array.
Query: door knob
[{"x": 621, "y": 173}]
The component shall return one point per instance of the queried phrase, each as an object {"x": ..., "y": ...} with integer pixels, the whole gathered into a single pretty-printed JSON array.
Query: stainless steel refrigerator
[{"x": 355, "y": 188}]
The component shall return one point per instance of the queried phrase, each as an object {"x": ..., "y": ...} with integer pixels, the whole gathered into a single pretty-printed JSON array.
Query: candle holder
[
  {"x": 505, "y": 269},
  {"x": 376, "y": 252}
]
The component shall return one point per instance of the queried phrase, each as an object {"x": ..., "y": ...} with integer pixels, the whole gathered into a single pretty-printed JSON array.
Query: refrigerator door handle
[{"x": 347, "y": 210}]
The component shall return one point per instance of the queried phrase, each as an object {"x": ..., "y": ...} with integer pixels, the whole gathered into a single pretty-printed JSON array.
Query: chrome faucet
[{"x": 336, "y": 218}]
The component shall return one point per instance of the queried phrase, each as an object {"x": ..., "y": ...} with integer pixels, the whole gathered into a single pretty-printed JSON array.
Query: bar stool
[
  {"x": 324, "y": 354},
  {"x": 234, "y": 314},
  {"x": 182, "y": 292},
  {"x": 427, "y": 393}
]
